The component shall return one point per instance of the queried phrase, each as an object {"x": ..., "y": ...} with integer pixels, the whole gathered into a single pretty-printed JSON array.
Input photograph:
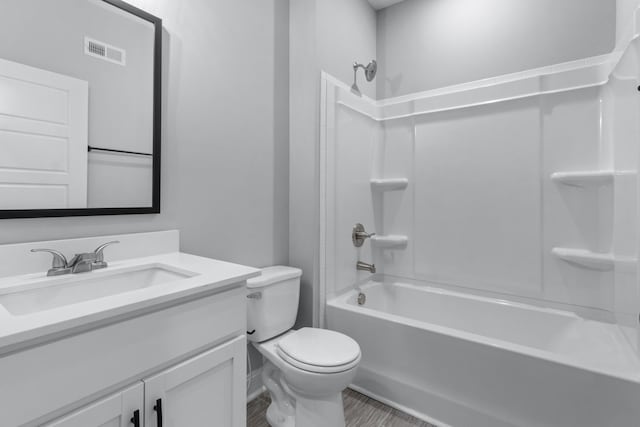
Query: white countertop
[{"x": 30, "y": 329}]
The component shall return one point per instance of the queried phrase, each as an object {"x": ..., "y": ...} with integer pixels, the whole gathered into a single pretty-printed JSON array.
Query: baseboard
[{"x": 253, "y": 395}]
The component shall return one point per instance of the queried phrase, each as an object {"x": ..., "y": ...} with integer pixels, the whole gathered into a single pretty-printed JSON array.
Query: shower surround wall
[
  {"x": 521, "y": 189},
  {"x": 508, "y": 179}
]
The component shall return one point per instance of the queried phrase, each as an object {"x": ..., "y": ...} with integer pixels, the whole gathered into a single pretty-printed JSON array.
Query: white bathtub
[{"x": 461, "y": 360}]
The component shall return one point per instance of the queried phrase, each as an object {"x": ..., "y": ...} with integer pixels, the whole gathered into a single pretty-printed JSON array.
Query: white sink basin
[{"x": 54, "y": 292}]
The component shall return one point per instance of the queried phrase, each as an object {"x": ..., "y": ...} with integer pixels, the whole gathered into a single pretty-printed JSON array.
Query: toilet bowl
[{"x": 305, "y": 370}]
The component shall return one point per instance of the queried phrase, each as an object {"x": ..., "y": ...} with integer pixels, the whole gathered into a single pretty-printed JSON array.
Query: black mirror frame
[{"x": 157, "y": 127}]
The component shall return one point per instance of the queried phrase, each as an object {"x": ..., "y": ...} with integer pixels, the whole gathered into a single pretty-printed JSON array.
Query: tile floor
[{"x": 359, "y": 411}]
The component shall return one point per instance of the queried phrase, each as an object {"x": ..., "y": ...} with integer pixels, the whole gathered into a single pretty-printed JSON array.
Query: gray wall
[
  {"x": 325, "y": 35},
  {"x": 346, "y": 33},
  {"x": 224, "y": 172},
  {"x": 426, "y": 44},
  {"x": 624, "y": 18}
]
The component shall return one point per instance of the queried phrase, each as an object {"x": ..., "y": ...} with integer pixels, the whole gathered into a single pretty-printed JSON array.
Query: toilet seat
[{"x": 319, "y": 350}]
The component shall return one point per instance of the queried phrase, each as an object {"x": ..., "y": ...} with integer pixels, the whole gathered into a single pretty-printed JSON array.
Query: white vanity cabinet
[
  {"x": 206, "y": 390},
  {"x": 191, "y": 356},
  {"x": 117, "y": 410}
]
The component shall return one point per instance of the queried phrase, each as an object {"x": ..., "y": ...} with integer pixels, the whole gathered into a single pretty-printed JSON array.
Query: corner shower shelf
[
  {"x": 588, "y": 178},
  {"x": 389, "y": 184},
  {"x": 390, "y": 241},
  {"x": 585, "y": 258}
]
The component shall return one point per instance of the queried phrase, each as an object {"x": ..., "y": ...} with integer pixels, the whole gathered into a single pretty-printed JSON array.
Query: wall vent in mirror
[{"x": 105, "y": 51}]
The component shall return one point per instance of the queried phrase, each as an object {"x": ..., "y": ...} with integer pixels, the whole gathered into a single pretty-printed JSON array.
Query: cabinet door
[
  {"x": 207, "y": 390},
  {"x": 114, "y": 411}
]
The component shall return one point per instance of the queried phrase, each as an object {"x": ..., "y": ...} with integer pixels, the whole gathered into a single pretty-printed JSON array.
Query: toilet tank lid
[{"x": 270, "y": 275}]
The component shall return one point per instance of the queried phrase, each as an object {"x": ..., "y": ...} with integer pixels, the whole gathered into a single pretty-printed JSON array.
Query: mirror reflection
[{"x": 76, "y": 106}]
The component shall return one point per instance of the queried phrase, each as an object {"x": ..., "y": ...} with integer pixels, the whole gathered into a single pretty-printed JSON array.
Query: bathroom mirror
[{"x": 79, "y": 108}]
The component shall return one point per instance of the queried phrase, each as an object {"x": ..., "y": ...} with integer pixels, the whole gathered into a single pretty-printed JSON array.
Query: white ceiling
[{"x": 381, "y": 4}]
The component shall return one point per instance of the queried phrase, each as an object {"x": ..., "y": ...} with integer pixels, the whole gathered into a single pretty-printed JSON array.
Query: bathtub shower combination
[{"x": 506, "y": 223}]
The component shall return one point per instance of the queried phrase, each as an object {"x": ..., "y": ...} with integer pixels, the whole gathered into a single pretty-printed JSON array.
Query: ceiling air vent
[{"x": 104, "y": 51}]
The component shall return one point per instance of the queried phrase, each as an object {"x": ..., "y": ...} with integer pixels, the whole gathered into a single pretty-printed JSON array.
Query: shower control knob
[{"x": 358, "y": 235}]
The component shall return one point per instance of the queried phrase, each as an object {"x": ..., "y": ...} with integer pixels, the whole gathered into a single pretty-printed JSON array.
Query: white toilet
[{"x": 306, "y": 370}]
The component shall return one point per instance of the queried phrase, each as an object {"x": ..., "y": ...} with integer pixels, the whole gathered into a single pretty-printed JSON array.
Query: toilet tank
[{"x": 272, "y": 302}]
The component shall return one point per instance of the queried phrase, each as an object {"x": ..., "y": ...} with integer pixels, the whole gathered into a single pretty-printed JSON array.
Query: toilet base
[
  {"x": 276, "y": 418},
  {"x": 291, "y": 409},
  {"x": 327, "y": 412}
]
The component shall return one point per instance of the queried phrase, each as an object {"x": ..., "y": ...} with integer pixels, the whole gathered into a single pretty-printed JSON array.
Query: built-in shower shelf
[
  {"x": 390, "y": 241},
  {"x": 585, "y": 258},
  {"x": 588, "y": 178},
  {"x": 389, "y": 184}
]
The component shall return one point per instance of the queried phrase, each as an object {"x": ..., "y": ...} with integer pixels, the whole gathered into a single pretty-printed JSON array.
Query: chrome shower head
[{"x": 370, "y": 72}]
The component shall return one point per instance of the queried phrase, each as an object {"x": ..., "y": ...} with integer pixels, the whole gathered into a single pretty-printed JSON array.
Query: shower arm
[
  {"x": 355, "y": 73},
  {"x": 369, "y": 74},
  {"x": 355, "y": 87},
  {"x": 355, "y": 70}
]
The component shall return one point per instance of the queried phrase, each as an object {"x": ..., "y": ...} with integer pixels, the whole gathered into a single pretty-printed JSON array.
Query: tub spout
[{"x": 371, "y": 268}]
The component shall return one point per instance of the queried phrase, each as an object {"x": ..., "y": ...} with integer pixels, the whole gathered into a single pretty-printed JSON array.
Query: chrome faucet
[
  {"x": 80, "y": 263},
  {"x": 371, "y": 268}
]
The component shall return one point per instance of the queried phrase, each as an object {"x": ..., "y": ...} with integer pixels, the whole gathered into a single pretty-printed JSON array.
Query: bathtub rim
[
  {"x": 341, "y": 301},
  {"x": 582, "y": 311}
]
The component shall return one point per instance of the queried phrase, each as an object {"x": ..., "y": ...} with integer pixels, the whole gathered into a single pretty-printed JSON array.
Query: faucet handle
[
  {"x": 358, "y": 234},
  {"x": 99, "y": 261},
  {"x": 59, "y": 265}
]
